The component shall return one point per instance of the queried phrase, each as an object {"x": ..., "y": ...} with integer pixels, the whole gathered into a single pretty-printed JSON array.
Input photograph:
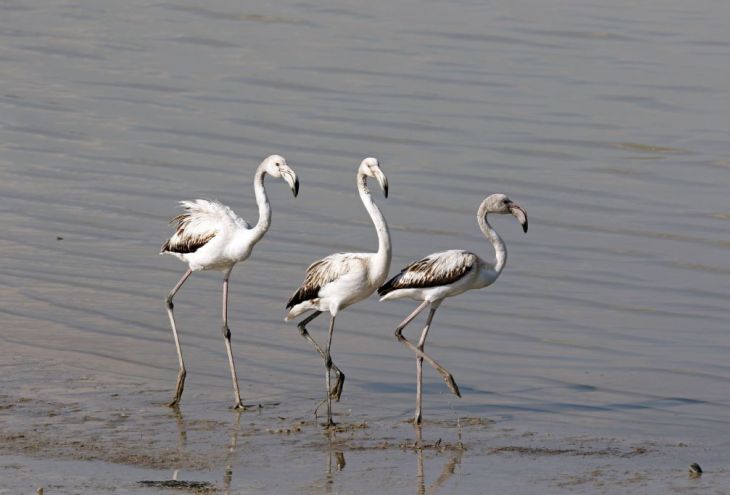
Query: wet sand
[
  {"x": 74, "y": 432},
  {"x": 598, "y": 361}
]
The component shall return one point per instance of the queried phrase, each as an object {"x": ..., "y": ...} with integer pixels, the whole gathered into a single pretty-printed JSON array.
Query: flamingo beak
[
  {"x": 520, "y": 214},
  {"x": 291, "y": 178},
  {"x": 383, "y": 181}
]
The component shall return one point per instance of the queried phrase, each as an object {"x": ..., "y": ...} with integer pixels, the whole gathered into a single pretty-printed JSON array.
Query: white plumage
[
  {"x": 210, "y": 236},
  {"x": 342, "y": 279},
  {"x": 333, "y": 283},
  {"x": 447, "y": 274}
]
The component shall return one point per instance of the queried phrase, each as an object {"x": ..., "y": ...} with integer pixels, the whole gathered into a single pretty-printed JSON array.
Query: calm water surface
[{"x": 607, "y": 122}]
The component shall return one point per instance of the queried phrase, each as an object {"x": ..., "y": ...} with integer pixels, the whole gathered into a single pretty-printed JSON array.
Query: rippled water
[{"x": 608, "y": 123}]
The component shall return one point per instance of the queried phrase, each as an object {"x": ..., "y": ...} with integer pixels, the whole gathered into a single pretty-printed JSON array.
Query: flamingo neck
[
  {"x": 382, "y": 257},
  {"x": 500, "y": 250},
  {"x": 263, "y": 203}
]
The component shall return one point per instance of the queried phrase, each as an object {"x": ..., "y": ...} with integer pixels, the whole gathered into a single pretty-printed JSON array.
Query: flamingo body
[
  {"x": 336, "y": 282},
  {"x": 438, "y": 276},
  {"x": 209, "y": 236}
]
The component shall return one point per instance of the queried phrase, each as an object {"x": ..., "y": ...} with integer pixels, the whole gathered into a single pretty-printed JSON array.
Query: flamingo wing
[
  {"x": 200, "y": 222},
  {"x": 322, "y": 272},
  {"x": 434, "y": 270}
]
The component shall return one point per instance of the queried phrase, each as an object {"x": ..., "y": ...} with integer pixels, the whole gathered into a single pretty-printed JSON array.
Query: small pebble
[{"x": 695, "y": 470}]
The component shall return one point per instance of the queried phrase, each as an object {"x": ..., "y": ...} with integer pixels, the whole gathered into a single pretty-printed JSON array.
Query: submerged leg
[
  {"x": 419, "y": 369},
  {"x": 336, "y": 391},
  {"x": 328, "y": 366},
  {"x": 227, "y": 337},
  {"x": 181, "y": 374},
  {"x": 448, "y": 378}
]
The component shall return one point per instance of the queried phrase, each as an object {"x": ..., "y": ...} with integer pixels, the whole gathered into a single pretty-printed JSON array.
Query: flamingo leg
[
  {"x": 227, "y": 336},
  {"x": 169, "y": 306},
  {"x": 419, "y": 368},
  {"x": 336, "y": 391},
  {"x": 328, "y": 365},
  {"x": 448, "y": 377}
]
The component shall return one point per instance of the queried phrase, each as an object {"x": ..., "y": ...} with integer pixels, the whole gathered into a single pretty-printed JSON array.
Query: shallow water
[{"x": 605, "y": 122}]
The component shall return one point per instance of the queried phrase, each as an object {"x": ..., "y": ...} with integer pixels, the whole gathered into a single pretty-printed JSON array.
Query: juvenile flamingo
[
  {"x": 342, "y": 279},
  {"x": 447, "y": 274},
  {"x": 210, "y": 236}
]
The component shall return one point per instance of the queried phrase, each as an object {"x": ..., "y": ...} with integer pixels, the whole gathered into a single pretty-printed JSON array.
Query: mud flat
[{"x": 73, "y": 433}]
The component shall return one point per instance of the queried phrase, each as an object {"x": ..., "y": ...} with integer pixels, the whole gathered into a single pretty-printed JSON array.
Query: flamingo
[
  {"x": 342, "y": 279},
  {"x": 447, "y": 274},
  {"x": 210, "y": 236}
]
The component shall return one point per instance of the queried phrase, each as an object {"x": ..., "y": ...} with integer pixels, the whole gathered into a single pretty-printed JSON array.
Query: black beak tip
[
  {"x": 524, "y": 227},
  {"x": 385, "y": 190},
  {"x": 296, "y": 188}
]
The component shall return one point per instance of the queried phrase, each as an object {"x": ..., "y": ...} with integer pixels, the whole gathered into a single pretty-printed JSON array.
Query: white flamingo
[
  {"x": 447, "y": 274},
  {"x": 342, "y": 279},
  {"x": 210, "y": 236}
]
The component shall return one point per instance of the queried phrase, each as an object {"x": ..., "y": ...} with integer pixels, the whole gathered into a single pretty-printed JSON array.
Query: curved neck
[
  {"x": 263, "y": 202},
  {"x": 500, "y": 250},
  {"x": 384, "y": 250}
]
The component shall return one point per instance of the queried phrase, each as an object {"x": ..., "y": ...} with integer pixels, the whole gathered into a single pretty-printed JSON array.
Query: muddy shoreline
[{"x": 77, "y": 421}]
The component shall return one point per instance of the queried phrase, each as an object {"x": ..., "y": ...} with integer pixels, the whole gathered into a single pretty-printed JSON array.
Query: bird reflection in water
[
  {"x": 182, "y": 441},
  {"x": 447, "y": 470},
  {"x": 334, "y": 463},
  {"x": 228, "y": 475},
  {"x": 182, "y": 435},
  {"x": 181, "y": 431},
  {"x": 336, "y": 459}
]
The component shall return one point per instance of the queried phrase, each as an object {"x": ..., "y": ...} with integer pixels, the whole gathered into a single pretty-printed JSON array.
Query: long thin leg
[
  {"x": 448, "y": 378},
  {"x": 181, "y": 374},
  {"x": 336, "y": 391},
  {"x": 227, "y": 337},
  {"x": 328, "y": 365},
  {"x": 419, "y": 368}
]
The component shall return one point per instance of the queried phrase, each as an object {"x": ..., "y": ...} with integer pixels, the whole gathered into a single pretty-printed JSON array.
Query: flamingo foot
[
  {"x": 449, "y": 379},
  {"x": 336, "y": 391}
]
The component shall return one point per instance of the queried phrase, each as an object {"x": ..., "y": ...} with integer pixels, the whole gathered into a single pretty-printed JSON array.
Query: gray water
[{"x": 607, "y": 121}]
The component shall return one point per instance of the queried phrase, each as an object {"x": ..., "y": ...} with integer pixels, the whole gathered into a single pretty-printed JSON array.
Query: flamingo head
[
  {"x": 500, "y": 203},
  {"x": 275, "y": 166},
  {"x": 370, "y": 167}
]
